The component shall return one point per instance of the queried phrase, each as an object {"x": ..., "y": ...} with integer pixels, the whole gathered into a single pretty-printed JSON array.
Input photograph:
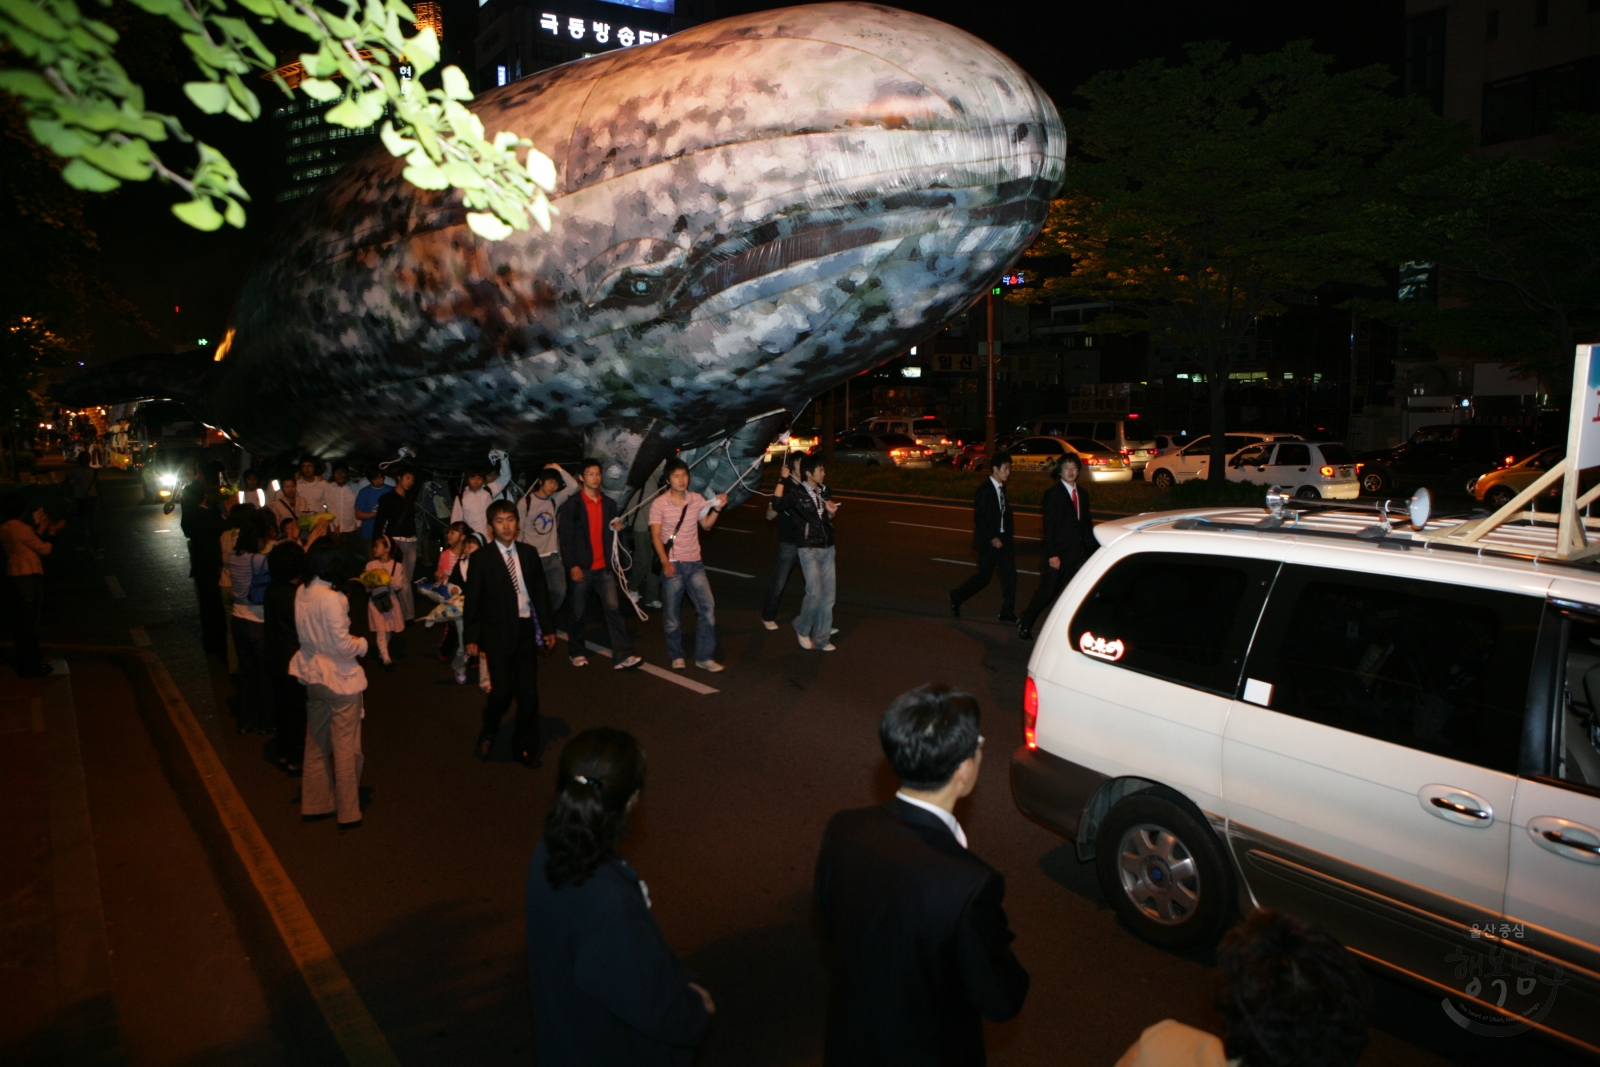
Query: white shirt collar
[
  {"x": 944, "y": 816},
  {"x": 996, "y": 483}
]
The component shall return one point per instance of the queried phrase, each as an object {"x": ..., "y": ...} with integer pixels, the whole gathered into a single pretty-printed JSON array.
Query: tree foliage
[
  {"x": 84, "y": 107},
  {"x": 1199, "y": 195},
  {"x": 1515, "y": 243}
]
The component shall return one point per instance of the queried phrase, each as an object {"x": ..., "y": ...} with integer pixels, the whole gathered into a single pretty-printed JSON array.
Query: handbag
[
  {"x": 383, "y": 596},
  {"x": 655, "y": 561},
  {"x": 260, "y": 578}
]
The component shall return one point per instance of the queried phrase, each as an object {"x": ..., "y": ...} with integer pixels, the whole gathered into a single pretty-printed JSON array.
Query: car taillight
[
  {"x": 1126, "y": 451},
  {"x": 897, "y": 451},
  {"x": 1030, "y": 713},
  {"x": 1326, "y": 472},
  {"x": 1096, "y": 461},
  {"x": 1510, "y": 460}
]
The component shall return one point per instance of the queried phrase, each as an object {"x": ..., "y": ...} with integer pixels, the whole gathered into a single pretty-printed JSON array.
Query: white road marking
[
  {"x": 115, "y": 587},
  {"x": 139, "y": 635},
  {"x": 969, "y": 563},
  {"x": 736, "y": 574},
  {"x": 952, "y": 529},
  {"x": 650, "y": 668}
]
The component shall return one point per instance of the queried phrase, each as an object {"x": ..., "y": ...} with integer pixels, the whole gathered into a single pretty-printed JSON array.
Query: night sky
[{"x": 159, "y": 264}]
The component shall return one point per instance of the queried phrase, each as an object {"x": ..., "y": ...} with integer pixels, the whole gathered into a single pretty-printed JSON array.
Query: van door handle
[
  {"x": 1455, "y": 805},
  {"x": 1566, "y": 838}
]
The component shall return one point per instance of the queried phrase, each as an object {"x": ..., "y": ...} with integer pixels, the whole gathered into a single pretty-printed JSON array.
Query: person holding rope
[
  {"x": 536, "y": 521},
  {"x": 675, "y": 537},
  {"x": 585, "y": 526},
  {"x": 472, "y": 504}
]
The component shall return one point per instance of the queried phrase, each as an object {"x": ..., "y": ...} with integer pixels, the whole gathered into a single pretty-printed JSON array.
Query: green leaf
[
  {"x": 542, "y": 169},
  {"x": 424, "y": 175},
  {"x": 423, "y": 51},
  {"x": 349, "y": 114},
  {"x": 488, "y": 226},
  {"x": 318, "y": 89},
  {"x": 62, "y": 140},
  {"x": 206, "y": 52},
  {"x": 371, "y": 105},
  {"x": 340, "y": 27},
  {"x": 101, "y": 30},
  {"x": 210, "y": 97},
  {"x": 264, "y": 8},
  {"x": 129, "y": 161},
  {"x": 244, "y": 96},
  {"x": 455, "y": 84},
  {"x": 198, "y": 213},
  {"x": 463, "y": 175},
  {"x": 234, "y": 214},
  {"x": 34, "y": 18},
  {"x": 26, "y": 84},
  {"x": 397, "y": 145},
  {"x": 81, "y": 175},
  {"x": 159, "y": 7},
  {"x": 542, "y": 210}
]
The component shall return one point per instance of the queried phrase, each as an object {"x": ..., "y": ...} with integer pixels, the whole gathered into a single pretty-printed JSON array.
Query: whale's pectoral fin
[
  {"x": 628, "y": 449},
  {"x": 732, "y": 464}
]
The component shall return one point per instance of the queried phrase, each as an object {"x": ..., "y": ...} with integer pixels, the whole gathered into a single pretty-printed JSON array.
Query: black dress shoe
[
  {"x": 350, "y": 825},
  {"x": 1025, "y": 633},
  {"x": 484, "y": 746},
  {"x": 955, "y": 606},
  {"x": 1008, "y": 617},
  {"x": 318, "y": 818}
]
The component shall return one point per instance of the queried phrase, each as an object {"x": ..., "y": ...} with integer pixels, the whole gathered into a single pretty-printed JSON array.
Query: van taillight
[{"x": 1030, "y": 713}]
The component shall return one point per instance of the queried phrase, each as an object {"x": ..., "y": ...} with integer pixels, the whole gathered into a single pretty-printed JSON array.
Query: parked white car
[
  {"x": 1193, "y": 461},
  {"x": 1310, "y": 470},
  {"x": 927, "y": 430},
  {"x": 1394, "y": 739}
]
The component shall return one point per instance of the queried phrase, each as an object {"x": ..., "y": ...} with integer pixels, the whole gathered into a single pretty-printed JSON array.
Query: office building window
[
  {"x": 1491, "y": 25},
  {"x": 1424, "y": 74}
]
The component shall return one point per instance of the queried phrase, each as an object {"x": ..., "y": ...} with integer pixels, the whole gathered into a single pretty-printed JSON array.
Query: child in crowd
[
  {"x": 459, "y": 660},
  {"x": 385, "y": 621}
]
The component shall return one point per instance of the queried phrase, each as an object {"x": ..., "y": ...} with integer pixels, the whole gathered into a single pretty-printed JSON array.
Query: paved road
[{"x": 423, "y": 904}]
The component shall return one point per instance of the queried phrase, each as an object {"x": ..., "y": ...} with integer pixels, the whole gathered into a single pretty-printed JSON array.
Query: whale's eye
[{"x": 630, "y": 290}]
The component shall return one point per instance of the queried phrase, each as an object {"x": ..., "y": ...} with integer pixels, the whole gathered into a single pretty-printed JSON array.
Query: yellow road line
[{"x": 353, "y": 1027}]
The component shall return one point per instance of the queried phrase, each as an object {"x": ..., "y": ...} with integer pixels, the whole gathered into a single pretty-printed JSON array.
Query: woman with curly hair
[{"x": 606, "y": 987}]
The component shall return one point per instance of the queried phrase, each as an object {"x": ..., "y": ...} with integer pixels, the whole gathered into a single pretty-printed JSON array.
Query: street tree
[
  {"x": 83, "y": 105},
  {"x": 1201, "y": 194},
  {"x": 1515, "y": 246}
]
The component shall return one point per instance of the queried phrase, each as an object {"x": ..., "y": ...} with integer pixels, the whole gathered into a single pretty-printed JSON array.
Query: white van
[
  {"x": 928, "y": 431},
  {"x": 1395, "y": 739}
]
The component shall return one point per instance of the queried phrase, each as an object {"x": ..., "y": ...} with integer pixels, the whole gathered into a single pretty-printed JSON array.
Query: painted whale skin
[{"x": 749, "y": 212}]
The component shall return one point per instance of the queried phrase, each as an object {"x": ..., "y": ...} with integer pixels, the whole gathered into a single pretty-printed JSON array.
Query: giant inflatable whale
[{"x": 749, "y": 212}]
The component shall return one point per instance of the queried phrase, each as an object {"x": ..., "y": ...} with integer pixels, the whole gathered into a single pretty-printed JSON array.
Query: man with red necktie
[{"x": 1068, "y": 541}]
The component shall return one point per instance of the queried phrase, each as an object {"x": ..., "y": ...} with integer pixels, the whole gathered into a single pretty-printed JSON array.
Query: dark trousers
[
  {"x": 1051, "y": 581},
  {"x": 213, "y": 622},
  {"x": 255, "y": 688},
  {"x": 514, "y": 675},
  {"x": 991, "y": 559},
  {"x": 27, "y": 591},
  {"x": 788, "y": 556},
  {"x": 288, "y": 714},
  {"x": 603, "y": 585}
]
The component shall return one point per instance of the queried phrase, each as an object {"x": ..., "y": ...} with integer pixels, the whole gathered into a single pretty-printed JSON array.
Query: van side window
[
  {"x": 1578, "y": 752},
  {"x": 1144, "y": 615},
  {"x": 1079, "y": 429},
  {"x": 1435, "y": 667}
]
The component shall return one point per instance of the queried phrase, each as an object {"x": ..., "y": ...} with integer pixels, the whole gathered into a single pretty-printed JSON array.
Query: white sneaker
[
  {"x": 710, "y": 666},
  {"x": 655, "y": 604},
  {"x": 830, "y": 647},
  {"x": 833, "y": 631},
  {"x": 769, "y": 624},
  {"x": 579, "y": 661},
  {"x": 679, "y": 665},
  {"x": 805, "y": 642}
]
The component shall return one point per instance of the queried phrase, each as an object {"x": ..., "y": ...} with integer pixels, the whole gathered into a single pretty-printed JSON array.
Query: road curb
[{"x": 352, "y": 1026}]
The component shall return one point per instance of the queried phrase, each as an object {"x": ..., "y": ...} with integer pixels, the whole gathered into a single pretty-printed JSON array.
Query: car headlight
[{"x": 168, "y": 480}]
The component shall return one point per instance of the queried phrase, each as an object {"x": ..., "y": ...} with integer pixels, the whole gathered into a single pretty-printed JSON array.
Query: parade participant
[
  {"x": 472, "y": 502},
  {"x": 247, "y": 570},
  {"x": 202, "y": 524},
  {"x": 675, "y": 537},
  {"x": 585, "y": 524},
  {"x": 383, "y": 613},
  {"x": 311, "y": 486},
  {"x": 288, "y": 504},
  {"x": 508, "y": 619},
  {"x": 536, "y": 519},
  {"x": 26, "y": 544},
  {"x": 788, "y": 540},
  {"x": 812, "y": 511},
  {"x": 339, "y": 497},
  {"x": 367, "y": 504},
  {"x": 1068, "y": 541},
  {"x": 397, "y": 519}
]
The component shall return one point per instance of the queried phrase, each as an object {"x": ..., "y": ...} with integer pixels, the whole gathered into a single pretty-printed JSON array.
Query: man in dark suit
[
  {"x": 992, "y": 537},
  {"x": 507, "y": 619},
  {"x": 919, "y": 950},
  {"x": 1068, "y": 541}
]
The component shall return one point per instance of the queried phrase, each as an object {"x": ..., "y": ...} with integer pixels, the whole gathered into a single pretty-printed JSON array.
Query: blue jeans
[
  {"x": 602, "y": 584},
  {"x": 690, "y": 577},
  {"x": 816, "y": 610},
  {"x": 780, "y": 578}
]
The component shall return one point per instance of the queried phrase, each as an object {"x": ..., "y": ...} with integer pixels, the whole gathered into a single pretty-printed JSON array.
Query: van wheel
[
  {"x": 1163, "y": 479},
  {"x": 1163, "y": 873},
  {"x": 1308, "y": 492}
]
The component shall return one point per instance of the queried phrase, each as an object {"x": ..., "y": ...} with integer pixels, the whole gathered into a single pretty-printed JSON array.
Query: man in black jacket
[
  {"x": 202, "y": 523},
  {"x": 584, "y": 526},
  {"x": 507, "y": 619},
  {"x": 788, "y": 541},
  {"x": 993, "y": 530},
  {"x": 1068, "y": 541},
  {"x": 919, "y": 950}
]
